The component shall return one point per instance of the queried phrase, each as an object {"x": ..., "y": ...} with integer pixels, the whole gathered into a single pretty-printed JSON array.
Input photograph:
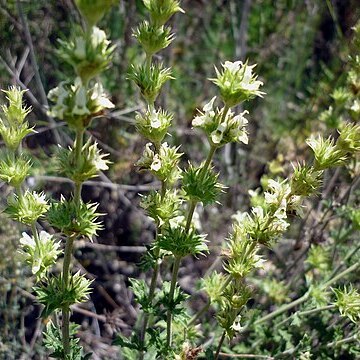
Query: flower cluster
[
  {"x": 27, "y": 208},
  {"x": 153, "y": 124},
  {"x": 72, "y": 219},
  {"x": 13, "y": 126},
  {"x": 241, "y": 253},
  {"x": 201, "y": 185},
  {"x": 221, "y": 126},
  {"x": 348, "y": 303},
  {"x": 305, "y": 180},
  {"x": 329, "y": 153},
  {"x": 163, "y": 164},
  {"x": 237, "y": 83},
  {"x": 40, "y": 254},
  {"x": 88, "y": 53},
  {"x": 182, "y": 243},
  {"x": 89, "y": 166},
  {"x": 53, "y": 295},
  {"x": 77, "y": 105},
  {"x": 162, "y": 208},
  {"x": 233, "y": 299}
]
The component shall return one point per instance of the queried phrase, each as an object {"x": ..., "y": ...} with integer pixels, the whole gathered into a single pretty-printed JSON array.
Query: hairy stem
[
  {"x": 152, "y": 283},
  {"x": 69, "y": 249},
  {"x": 78, "y": 148},
  {"x": 203, "y": 310},
  {"x": 306, "y": 312},
  {"x": 220, "y": 345},
  {"x": 66, "y": 309},
  {"x": 35, "y": 234},
  {"x": 192, "y": 207},
  {"x": 171, "y": 297},
  {"x": 303, "y": 298}
]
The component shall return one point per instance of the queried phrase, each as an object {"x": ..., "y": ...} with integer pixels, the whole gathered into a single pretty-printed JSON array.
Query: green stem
[
  {"x": 192, "y": 207},
  {"x": 200, "y": 313},
  {"x": 66, "y": 309},
  {"x": 307, "y": 312},
  {"x": 151, "y": 297},
  {"x": 223, "y": 287},
  {"x": 346, "y": 258},
  {"x": 208, "y": 160},
  {"x": 19, "y": 192},
  {"x": 69, "y": 249},
  {"x": 220, "y": 345},
  {"x": 154, "y": 277},
  {"x": 306, "y": 295},
  {"x": 171, "y": 298},
  {"x": 343, "y": 341},
  {"x": 35, "y": 234},
  {"x": 284, "y": 308},
  {"x": 342, "y": 274},
  {"x": 78, "y": 148},
  {"x": 148, "y": 61}
]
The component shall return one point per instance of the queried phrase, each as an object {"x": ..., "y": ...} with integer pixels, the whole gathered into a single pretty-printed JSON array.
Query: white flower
[
  {"x": 206, "y": 116},
  {"x": 177, "y": 221},
  {"x": 80, "y": 107},
  {"x": 99, "y": 97},
  {"x": 156, "y": 164},
  {"x": 217, "y": 135},
  {"x": 39, "y": 198},
  {"x": 27, "y": 240},
  {"x": 98, "y": 36},
  {"x": 233, "y": 67},
  {"x": 80, "y": 48},
  {"x": 40, "y": 256},
  {"x": 355, "y": 107},
  {"x": 155, "y": 120},
  {"x": 278, "y": 195},
  {"x": 210, "y": 105}
]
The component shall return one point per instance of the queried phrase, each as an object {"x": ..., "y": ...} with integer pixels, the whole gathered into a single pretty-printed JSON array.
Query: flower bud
[
  {"x": 13, "y": 127},
  {"x": 162, "y": 208},
  {"x": 164, "y": 164},
  {"x": 305, "y": 180},
  {"x": 71, "y": 218},
  {"x": 153, "y": 38},
  {"x": 348, "y": 303},
  {"x": 349, "y": 138},
  {"x": 162, "y": 10},
  {"x": 150, "y": 80},
  {"x": 94, "y": 10},
  {"x": 200, "y": 186},
  {"x": 326, "y": 153},
  {"x": 15, "y": 112},
  {"x": 13, "y": 169}
]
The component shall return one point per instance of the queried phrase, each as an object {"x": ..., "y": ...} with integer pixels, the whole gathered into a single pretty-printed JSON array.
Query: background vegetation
[{"x": 302, "y": 49}]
